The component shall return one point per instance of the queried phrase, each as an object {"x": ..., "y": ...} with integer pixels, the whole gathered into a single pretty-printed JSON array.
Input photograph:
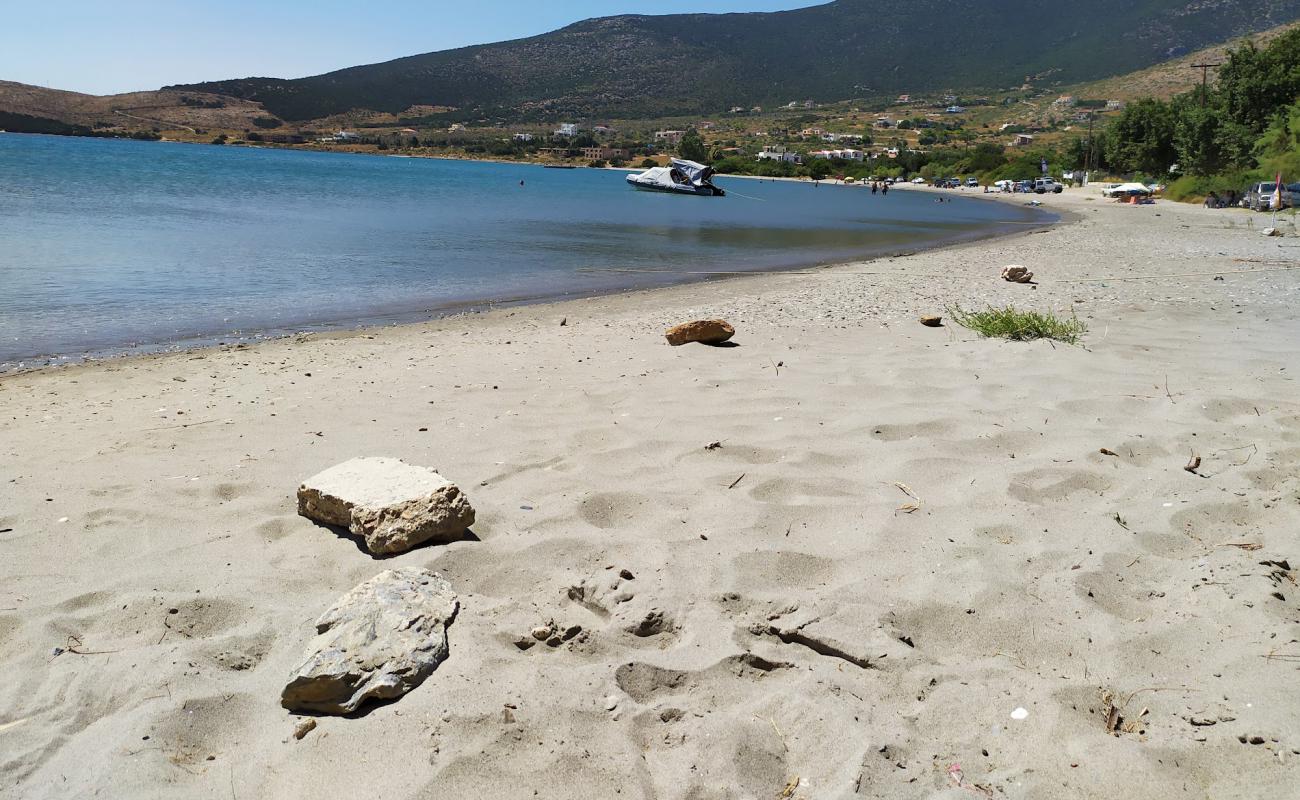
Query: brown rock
[
  {"x": 704, "y": 331},
  {"x": 932, "y": 322}
]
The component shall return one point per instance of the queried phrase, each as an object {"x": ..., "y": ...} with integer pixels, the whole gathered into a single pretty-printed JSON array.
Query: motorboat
[{"x": 682, "y": 177}]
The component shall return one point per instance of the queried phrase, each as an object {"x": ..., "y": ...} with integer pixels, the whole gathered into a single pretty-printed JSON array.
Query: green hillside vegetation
[
  {"x": 648, "y": 66},
  {"x": 1245, "y": 127}
]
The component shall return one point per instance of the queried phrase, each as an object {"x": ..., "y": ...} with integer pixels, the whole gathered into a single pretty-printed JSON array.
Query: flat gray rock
[
  {"x": 392, "y": 505},
  {"x": 379, "y": 641}
]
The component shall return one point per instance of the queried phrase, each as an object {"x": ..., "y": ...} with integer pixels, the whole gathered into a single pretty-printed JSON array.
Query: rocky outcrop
[
  {"x": 378, "y": 642},
  {"x": 704, "y": 331},
  {"x": 392, "y": 505}
]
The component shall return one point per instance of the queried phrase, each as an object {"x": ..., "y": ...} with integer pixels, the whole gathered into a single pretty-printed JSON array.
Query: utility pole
[{"x": 1205, "y": 77}]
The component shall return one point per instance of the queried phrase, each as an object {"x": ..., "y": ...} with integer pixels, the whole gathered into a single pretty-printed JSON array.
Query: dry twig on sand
[{"x": 907, "y": 508}]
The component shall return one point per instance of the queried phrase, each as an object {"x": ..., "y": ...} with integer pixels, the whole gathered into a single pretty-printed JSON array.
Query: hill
[
  {"x": 645, "y": 66},
  {"x": 1176, "y": 75},
  {"x": 38, "y": 109}
]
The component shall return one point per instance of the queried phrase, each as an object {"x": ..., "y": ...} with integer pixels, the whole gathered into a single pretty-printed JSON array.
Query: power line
[{"x": 1205, "y": 77}]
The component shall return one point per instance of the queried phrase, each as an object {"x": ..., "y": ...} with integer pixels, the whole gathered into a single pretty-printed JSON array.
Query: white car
[{"x": 918, "y": 181}]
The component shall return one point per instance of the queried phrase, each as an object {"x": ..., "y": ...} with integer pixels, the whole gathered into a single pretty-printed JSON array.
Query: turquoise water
[{"x": 108, "y": 245}]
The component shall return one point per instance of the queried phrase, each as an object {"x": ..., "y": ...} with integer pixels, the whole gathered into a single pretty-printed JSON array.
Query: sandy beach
[{"x": 908, "y": 571}]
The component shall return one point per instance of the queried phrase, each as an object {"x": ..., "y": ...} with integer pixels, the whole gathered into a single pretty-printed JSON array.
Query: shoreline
[
  {"x": 200, "y": 342},
  {"x": 770, "y": 611}
]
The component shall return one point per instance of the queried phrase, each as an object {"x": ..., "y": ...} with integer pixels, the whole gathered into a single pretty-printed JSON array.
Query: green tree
[
  {"x": 1141, "y": 139},
  {"x": 1255, "y": 83},
  {"x": 692, "y": 147},
  {"x": 1207, "y": 141},
  {"x": 819, "y": 169}
]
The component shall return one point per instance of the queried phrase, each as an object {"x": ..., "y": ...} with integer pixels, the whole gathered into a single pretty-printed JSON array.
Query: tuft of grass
[{"x": 1020, "y": 326}]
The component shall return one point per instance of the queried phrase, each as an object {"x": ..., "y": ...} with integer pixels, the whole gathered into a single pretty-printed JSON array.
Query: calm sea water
[{"x": 110, "y": 245}]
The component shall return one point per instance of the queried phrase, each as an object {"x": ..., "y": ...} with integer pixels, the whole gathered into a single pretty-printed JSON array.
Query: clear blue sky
[{"x": 108, "y": 46}]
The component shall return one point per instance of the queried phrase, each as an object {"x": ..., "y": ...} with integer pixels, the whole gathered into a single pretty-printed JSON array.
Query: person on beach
[
  {"x": 884, "y": 189},
  {"x": 875, "y": 187}
]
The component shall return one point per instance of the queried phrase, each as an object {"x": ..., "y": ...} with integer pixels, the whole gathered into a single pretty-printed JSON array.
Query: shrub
[{"x": 1021, "y": 326}]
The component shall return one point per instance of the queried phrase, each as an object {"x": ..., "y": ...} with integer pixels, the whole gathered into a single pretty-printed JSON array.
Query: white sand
[{"x": 139, "y": 486}]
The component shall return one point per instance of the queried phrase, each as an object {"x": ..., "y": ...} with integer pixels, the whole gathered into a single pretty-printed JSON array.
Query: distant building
[
  {"x": 1115, "y": 105},
  {"x": 737, "y": 110},
  {"x": 884, "y": 122},
  {"x": 669, "y": 137},
  {"x": 842, "y": 137},
  {"x": 1022, "y": 140},
  {"x": 604, "y": 153},
  {"x": 346, "y": 136},
  {"x": 523, "y": 137},
  {"x": 603, "y": 130},
  {"x": 705, "y": 126},
  {"x": 1065, "y": 101},
  {"x": 780, "y": 154},
  {"x": 567, "y": 129},
  {"x": 809, "y": 133},
  {"x": 456, "y": 126},
  {"x": 904, "y": 98},
  {"x": 757, "y": 109},
  {"x": 556, "y": 152},
  {"x": 954, "y": 109},
  {"x": 847, "y": 154},
  {"x": 891, "y": 152}
]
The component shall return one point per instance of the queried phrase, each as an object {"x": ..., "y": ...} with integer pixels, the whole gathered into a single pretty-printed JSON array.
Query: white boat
[{"x": 683, "y": 177}]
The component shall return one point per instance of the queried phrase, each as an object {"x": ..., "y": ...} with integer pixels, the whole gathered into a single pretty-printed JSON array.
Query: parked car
[
  {"x": 1045, "y": 185},
  {"x": 972, "y": 181},
  {"x": 1259, "y": 197},
  {"x": 1024, "y": 186},
  {"x": 918, "y": 180}
]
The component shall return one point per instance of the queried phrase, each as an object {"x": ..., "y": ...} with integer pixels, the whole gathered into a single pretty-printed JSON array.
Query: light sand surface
[{"x": 148, "y": 528}]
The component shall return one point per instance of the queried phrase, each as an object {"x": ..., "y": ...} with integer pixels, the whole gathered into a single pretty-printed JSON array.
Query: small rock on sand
[
  {"x": 704, "y": 331},
  {"x": 304, "y": 727},
  {"x": 1017, "y": 274},
  {"x": 932, "y": 322},
  {"x": 393, "y": 505},
  {"x": 379, "y": 641}
]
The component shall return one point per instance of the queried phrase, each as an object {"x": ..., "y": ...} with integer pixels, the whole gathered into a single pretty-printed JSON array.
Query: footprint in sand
[
  {"x": 903, "y": 432},
  {"x": 1055, "y": 484}
]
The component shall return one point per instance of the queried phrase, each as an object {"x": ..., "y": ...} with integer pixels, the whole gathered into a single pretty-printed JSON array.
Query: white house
[
  {"x": 955, "y": 110},
  {"x": 567, "y": 129},
  {"x": 847, "y": 154},
  {"x": 780, "y": 154},
  {"x": 523, "y": 137},
  {"x": 669, "y": 137}
]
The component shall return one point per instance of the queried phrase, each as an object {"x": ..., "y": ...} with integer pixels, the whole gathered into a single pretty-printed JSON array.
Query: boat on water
[
  {"x": 559, "y": 166},
  {"x": 683, "y": 177}
]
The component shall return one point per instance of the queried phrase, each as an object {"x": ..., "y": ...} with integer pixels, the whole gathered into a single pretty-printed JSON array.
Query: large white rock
[
  {"x": 379, "y": 641},
  {"x": 393, "y": 505}
]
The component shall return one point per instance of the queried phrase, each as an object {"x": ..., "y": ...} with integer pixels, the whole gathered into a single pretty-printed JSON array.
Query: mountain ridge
[{"x": 643, "y": 65}]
